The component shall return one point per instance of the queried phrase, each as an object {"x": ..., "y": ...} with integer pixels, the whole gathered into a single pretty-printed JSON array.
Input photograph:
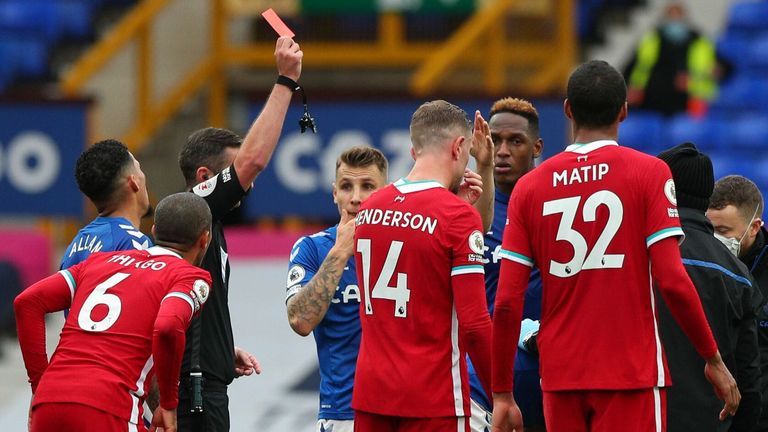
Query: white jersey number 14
[{"x": 399, "y": 293}]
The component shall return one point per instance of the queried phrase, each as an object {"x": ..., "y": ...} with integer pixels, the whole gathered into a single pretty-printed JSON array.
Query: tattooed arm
[{"x": 308, "y": 306}]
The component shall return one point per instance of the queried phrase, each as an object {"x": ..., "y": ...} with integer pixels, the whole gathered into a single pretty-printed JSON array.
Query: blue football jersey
[
  {"x": 525, "y": 364},
  {"x": 338, "y": 335},
  {"x": 104, "y": 234}
]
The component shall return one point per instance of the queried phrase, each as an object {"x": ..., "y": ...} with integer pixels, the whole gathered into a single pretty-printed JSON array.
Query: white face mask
[{"x": 733, "y": 244}]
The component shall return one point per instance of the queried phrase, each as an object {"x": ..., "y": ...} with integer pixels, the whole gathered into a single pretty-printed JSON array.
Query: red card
[{"x": 277, "y": 24}]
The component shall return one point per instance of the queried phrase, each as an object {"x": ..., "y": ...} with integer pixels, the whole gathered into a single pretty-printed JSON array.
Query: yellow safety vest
[{"x": 701, "y": 65}]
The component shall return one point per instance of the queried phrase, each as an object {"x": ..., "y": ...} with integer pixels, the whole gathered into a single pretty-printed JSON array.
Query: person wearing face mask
[
  {"x": 674, "y": 68},
  {"x": 730, "y": 298},
  {"x": 736, "y": 210}
]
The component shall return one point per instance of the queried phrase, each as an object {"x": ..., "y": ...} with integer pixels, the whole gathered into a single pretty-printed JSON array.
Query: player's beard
[{"x": 454, "y": 187}]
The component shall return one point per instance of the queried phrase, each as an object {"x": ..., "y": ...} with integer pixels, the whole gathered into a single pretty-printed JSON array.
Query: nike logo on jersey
[
  {"x": 400, "y": 198},
  {"x": 326, "y": 429}
]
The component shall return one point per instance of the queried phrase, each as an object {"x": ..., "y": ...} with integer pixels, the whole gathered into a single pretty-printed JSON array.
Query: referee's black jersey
[{"x": 222, "y": 193}]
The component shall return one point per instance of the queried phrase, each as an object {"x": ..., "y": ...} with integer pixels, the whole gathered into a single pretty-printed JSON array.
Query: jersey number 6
[
  {"x": 399, "y": 293},
  {"x": 97, "y": 297},
  {"x": 597, "y": 258}
]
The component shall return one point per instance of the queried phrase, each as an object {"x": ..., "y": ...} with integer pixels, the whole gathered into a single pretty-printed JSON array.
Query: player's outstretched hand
[
  {"x": 245, "y": 363},
  {"x": 288, "y": 55},
  {"x": 725, "y": 386},
  {"x": 163, "y": 420},
  {"x": 471, "y": 187},
  {"x": 506, "y": 414},
  {"x": 345, "y": 235},
  {"x": 482, "y": 144}
]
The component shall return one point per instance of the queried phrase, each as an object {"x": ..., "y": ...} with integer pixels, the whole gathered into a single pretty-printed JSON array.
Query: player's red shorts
[
  {"x": 74, "y": 417},
  {"x": 368, "y": 422},
  {"x": 643, "y": 410}
]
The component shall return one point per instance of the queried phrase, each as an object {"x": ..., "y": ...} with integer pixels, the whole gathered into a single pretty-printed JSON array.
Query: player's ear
[
  {"x": 153, "y": 231},
  {"x": 456, "y": 146},
  {"x": 538, "y": 147},
  {"x": 567, "y": 109},
  {"x": 133, "y": 183},
  {"x": 623, "y": 112},
  {"x": 333, "y": 192},
  {"x": 413, "y": 153}
]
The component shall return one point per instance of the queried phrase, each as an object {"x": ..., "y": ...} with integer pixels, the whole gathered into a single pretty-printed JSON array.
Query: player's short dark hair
[
  {"x": 520, "y": 107},
  {"x": 436, "y": 120},
  {"x": 180, "y": 219},
  {"x": 739, "y": 192},
  {"x": 99, "y": 168},
  {"x": 596, "y": 93},
  {"x": 363, "y": 156},
  {"x": 205, "y": 148}
]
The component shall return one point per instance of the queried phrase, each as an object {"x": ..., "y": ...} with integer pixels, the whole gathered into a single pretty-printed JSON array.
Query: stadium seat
[
  {"x": 758, "y": 56},
  {"x": 75, "y": 17},
  {"x": 29, "y": 17},
  {"x": 721, "y": 163},
  {"x": 749, "y": 132},
  {"x": 734, "y": 47},
  {"x": 706, "y": 133},
  {"x": 642, "y": 130},
  {"x": 748, "y": 15},
  {"x": 741, "y": 93},
  {"x": 27, "y": 54}
]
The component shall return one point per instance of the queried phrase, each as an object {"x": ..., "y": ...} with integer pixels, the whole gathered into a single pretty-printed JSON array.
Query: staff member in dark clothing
[
  {"x": 730, "y": 299},
  {"x": 736, "y": 210},
  {"x": 221, "y": 167}
]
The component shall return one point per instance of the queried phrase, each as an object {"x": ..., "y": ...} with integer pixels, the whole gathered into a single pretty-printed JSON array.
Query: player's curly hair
[
  {"x": 363, "y": 156},
  {"x": 180, "y": 219},
  {"x": 739, "y": 192},
  {"x": 205, "y": 148},
  {"x": 98, "y": 171},
  {"x": 520, "y": 107},
  {"x": 596, "y": 93}
]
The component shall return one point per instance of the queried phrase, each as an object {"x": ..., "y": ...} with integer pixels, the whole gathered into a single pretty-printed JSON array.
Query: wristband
[{"x": 306, "y": 121}]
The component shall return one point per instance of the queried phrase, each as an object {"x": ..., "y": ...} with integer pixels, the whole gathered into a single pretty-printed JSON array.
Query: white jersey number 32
[
  {"x": 582, "y": 258},
  {"x": 400, "y": 293}
]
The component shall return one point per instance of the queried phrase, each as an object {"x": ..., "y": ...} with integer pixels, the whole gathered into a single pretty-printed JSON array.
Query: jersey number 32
[{"x": 583, "y": 259}]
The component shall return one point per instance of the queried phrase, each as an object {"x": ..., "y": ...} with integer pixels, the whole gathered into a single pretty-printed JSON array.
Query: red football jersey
[
  {"x": 418, "y": 248},
  {"x": 104, "y": 358},
  {"x": 586, "y": 218}
]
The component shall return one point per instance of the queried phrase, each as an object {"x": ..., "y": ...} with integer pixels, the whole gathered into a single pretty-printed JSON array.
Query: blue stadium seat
[
  {"x": 642, "y": 130},
  {"x": 27, "y": 54},
  {"x": 742, "y": 93},
  {"x": 749, "y": 132},
  {"x": 734, "y": 47},
  {"x": 706, "y": 133},
  {"x": 29, "y": 17},
  {"x": 758, "y": 55},
  {"x": 749, "y": 15},
  {"x": 75, "y": 17},
  {"x": 723, "y": 164}
]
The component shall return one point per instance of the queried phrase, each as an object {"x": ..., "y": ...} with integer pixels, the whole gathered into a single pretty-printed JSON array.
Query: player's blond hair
[
  {"x": 520, "y": 107},
  {"x": 437, "y": 121}
]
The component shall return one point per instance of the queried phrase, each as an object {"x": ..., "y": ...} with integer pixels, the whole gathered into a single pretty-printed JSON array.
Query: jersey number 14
[{"x": 399, "y": 293}]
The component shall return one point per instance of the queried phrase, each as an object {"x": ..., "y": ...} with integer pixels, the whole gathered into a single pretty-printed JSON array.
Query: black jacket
[
  {"x": 730, "y": 299},
  {"x": 757, "y": 261}
]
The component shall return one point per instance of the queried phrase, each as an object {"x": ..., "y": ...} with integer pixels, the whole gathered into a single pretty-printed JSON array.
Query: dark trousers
[{"x": 215, "y": 415}]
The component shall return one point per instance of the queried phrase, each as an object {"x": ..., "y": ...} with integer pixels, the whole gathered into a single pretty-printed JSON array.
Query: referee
[{"x": 221, "y": 167}]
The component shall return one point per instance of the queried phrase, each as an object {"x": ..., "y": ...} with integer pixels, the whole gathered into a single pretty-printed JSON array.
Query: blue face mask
[{"x": 675, "y": 31}]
